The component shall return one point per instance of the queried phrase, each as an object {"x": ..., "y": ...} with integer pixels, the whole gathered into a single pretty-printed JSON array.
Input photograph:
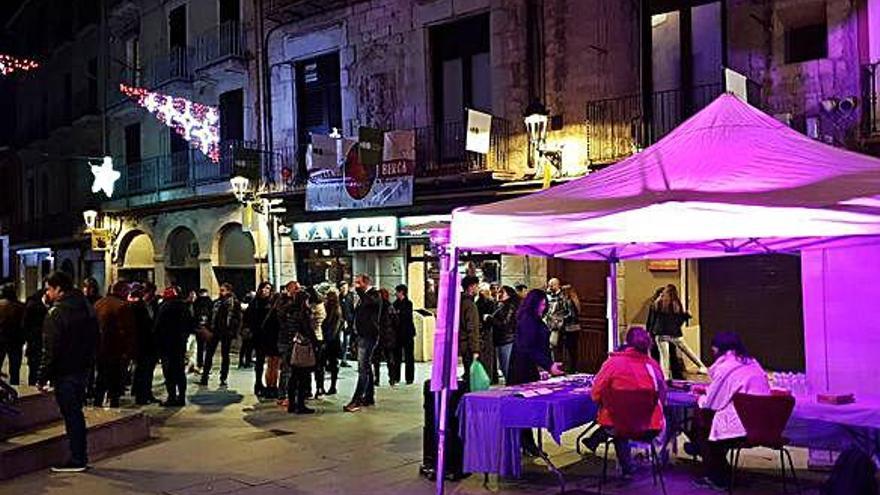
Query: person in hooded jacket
[{"x": 174, "y": 324}]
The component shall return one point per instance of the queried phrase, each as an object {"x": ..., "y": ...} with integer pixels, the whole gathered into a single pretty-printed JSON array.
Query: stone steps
[
  {"x": 35, "y": 409},
  {"x": 110, "y": 430}
]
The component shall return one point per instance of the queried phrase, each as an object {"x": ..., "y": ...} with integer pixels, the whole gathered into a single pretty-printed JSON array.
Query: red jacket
[{"x": 628, "y": 370}]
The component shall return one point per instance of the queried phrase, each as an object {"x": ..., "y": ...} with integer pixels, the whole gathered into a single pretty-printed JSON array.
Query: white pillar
[{"x": 613, "y": 310}]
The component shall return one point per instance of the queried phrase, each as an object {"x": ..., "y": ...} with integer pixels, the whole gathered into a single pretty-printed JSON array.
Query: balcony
[
  {"x": 174, "y": 66},
  {"x": 218, "y": 44},
  {"x": 48, "y": 227},
  {"x": 283, "y": 11},
  {"x": 871, "y": 99},
  {"x": 179, "y": 175},
  {"x": 439, "y": 150},
  {"x": 615, "y": 126}
]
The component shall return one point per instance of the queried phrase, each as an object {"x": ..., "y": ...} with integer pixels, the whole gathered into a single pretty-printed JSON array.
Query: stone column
[
  {"x": 206, "y": 275},
  {"x": 159, "y": 271}
]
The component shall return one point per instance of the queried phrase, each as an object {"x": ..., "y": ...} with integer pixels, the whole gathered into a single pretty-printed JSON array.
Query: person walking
[
  {"x": 202, "y": 309},
  {"x": 469, "y": 326},
  {"x": 143, "y": 305},
  {"x": 35, "y": 309},
  {"x": 406, "y": 333},
  {"x": 347, "y": 304},
  {"x": 331, "y": 328},
  {"x": 300, "y": 322},
  {"x": 254, "y": 318},
  {"x": 116, "y": 344},
  {"x": 668, "y": 318},
  {"x": 367, "y": 327},
  {"x": 12, "y": 335},
  {"x": 174, "y": 324},
  {"x": 246, "y": 348},
  {"x": 504, "y": 327},
  {"x": 225, "y": 325},
  {"x": 317, "y": 315},
  {"x": 70, "y": 337}
]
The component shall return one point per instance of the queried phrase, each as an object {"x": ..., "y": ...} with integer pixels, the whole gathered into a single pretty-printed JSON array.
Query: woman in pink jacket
[{"x": 734, "y": 371}]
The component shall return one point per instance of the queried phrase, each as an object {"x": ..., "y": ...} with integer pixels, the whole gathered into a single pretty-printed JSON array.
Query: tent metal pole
[
  {"x": 613, "y": 316},
  {"x": 449, "y": 271}
]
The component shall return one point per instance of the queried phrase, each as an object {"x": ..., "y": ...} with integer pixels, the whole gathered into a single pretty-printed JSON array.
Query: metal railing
[
  {"x": 871, "y": 99},
  {"x": 180, "y": 170},
  {"x": 439, "y": 152},
  {"x": 222, "y": 41},
  {"x": 49, "y": 226},
  {"x": 172, "y": 66},
  {"x": 616, "y": 128}
]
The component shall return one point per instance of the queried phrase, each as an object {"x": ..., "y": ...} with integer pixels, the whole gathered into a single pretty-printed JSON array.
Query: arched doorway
[
  {"x": 137, "y": 258},
  {"x": 235, "y": 259},
  {"x": 182, "y": 259}
]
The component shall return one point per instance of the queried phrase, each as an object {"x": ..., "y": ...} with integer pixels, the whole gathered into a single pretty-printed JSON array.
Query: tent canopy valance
[{"x": 730, "y": 180}]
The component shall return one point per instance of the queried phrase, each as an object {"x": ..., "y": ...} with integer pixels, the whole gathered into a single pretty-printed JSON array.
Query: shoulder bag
[{"x": 303, "y": 353}]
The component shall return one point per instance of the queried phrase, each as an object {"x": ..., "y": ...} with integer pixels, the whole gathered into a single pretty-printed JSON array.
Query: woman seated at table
[
  {"x": 530, "y": 359},
  {"x": 734, "y": 371},
  {"x": 631, "y": 368}
]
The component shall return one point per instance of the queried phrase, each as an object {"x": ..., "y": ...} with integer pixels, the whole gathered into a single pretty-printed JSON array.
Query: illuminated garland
[
  {"x": 10, "y": 64},
  {"x": 199, "y": 124}
]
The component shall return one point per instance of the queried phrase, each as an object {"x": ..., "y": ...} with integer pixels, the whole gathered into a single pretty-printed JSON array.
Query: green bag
[{"x": 479, "y": 377}]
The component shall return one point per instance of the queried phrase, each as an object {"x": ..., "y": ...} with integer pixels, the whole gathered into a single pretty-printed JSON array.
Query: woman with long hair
[
  {"x": 388, "y": 342},
  {"x": 300, "y": 322},
  {"x": 331, "y": 328},
  {"x": 668, "y": 317},
  {"x": 504, "y": 327},
  {"x": 317, "y": 314},
  {"x": 255, "y": 318},
  {"x": 571, "y": 305}
]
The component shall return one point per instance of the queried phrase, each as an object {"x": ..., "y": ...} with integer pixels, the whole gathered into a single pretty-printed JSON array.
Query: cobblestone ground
[{"x": 226, "y": 442}]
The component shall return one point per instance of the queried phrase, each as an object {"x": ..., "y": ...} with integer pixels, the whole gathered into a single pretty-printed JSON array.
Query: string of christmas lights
[
  {"x": 10, "y": 64},
  {"x": 198, "y": 124}
]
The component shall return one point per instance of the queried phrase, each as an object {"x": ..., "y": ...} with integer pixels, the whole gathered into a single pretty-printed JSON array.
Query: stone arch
[
  {"x": 136, "y": 250},
  {"x": 182, "y": 248},
  {"x": 234, "y": 252}
]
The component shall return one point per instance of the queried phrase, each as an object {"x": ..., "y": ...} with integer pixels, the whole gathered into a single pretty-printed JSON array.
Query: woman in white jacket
[{"x": 734, "y": 371}]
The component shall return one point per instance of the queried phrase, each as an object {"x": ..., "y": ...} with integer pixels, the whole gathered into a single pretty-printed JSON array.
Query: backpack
[{"x": 854, "y": 473}]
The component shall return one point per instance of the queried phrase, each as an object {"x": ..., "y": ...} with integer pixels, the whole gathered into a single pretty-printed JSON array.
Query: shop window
[{"x": 806, "y": 43}]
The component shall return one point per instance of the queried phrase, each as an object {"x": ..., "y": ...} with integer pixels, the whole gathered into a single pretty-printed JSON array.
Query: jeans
[
  {"x": 503, "y": 352},
  {"x": 300, "y": 379},
  {"x": 15, "y": 352},
  {"x": 174, "y": 371},
  {"x": 225, "y": 342},
  {"x": 346, "y": 340},
  {"x": 108, "y": 382},
  {"x": 663, "y": 341},
  {"x": 320, "y": 349},
  {"x": 409, "y": 359},
  {"x": 70, "y": 394},
  {"x": 284, "y": 375},
  {"x": 143, "y": 378},
  {"x": 364, "y": 392}
]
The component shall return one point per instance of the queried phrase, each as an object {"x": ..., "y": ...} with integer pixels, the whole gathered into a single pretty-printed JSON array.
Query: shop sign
[
  {"x": 372, "y": 234},
  {"x": 100, "y": 240},
  {"x": 334, "y": 230}
]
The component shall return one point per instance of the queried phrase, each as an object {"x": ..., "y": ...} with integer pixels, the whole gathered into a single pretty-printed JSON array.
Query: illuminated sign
[{"x": 372, "y": 234}]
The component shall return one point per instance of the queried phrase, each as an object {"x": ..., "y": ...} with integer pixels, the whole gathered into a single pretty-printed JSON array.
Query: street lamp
[
  {"x": 90, "y": 216},
  {"x": 240, "y": 186},
  {"x": 536, "y": 118}
]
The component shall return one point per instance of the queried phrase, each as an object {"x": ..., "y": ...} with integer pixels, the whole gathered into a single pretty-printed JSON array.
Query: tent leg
[
  {"x": 449, "y": 359},
  {"x": 613, "y": 317}
]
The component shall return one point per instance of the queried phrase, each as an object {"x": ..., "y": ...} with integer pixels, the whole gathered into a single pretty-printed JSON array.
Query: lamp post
[
  {"x": 536, "y": 118},
  {"x": 241, "y": 188},
  {"x": 90, "y": 216}
]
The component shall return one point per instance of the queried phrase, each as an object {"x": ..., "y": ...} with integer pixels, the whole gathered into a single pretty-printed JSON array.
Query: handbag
[
  {"x": 554, "y": 338},
  {"x": 573, "y": 327},
  {"x": 303, "y": 353}
]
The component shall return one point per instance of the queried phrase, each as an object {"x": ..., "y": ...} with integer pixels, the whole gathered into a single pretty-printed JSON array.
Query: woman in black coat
[
  {"x": 531, "y": 349},
  {"x": 331, "y": 327},
  {"x": 504, "y": 328},
  {"x": 174, "y": 323},
  {"x": 264, "y": 341},
  {"x": 299, "y": 319}
]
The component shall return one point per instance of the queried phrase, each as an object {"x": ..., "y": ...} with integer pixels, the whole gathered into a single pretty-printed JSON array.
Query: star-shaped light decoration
[
  {"x": 105, "y": 177},
  {"x": 199, "y": 124}
]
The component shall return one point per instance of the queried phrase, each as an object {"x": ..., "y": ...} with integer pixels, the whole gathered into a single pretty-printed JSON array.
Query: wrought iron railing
[
  {"x": 221, "y": 41},
  {"x": 173, "y": 66},
  {"x": 616, "y": 127},
  {"x": 871, "y": 98}
]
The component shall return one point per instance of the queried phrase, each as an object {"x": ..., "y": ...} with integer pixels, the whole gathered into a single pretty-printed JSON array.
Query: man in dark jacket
[
  {"x": 225, "y": 325},
  {"x": 11, "y": 331},
  {"x": 143, "y": 304},
  {"x": 367, "y": 325},
  {"x": 70, "y": 335},
  {"x": 35, "y": 310},
  {"x": 407, "y": 332},
  {"x": 469, "y": 325},
  {"x": 116, "y": 343},
  {"x": 174, "y": 323}
]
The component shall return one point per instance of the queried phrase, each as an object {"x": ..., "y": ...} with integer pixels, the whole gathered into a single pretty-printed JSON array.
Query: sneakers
[
  {"x": 352, "y": 407},
  {"x": 69, "y": 467}
]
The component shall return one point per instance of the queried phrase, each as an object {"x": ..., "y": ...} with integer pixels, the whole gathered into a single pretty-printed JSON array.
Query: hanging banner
[
  {"x": 479, "y": 128},
  {"x": 366, "y": 174}
]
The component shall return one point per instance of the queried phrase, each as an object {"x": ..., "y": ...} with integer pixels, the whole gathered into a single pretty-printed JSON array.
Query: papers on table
[{"x": 535, "y": 392}]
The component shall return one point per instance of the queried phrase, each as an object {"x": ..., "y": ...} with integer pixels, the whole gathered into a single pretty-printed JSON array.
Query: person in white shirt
[{"x": 734, "y": 371}]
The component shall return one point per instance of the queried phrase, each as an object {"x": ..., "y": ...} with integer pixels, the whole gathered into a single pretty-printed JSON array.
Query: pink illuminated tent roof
[{"x": 730, "y": 180}]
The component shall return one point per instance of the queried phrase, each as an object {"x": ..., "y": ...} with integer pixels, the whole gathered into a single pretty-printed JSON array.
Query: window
[
  {"x": 67, "y": 91},
  {"x": 232, "y": 116},
  {"x": 132, "y": 144},
  {"x": 806, "y": 43},
  {"x": 461, "y": 68},
  {"x": 133, "y": 61},
  {"x": 177, "y": 28},
  {"x": 229, "y": 11},
  {"x": 318, "y": 99},
  {"x": 92, "y": 76}
]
